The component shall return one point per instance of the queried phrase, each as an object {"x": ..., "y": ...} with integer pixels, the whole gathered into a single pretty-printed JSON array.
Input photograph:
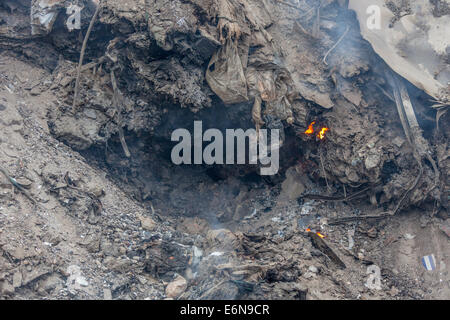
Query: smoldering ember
[{"x": 320, "y": 171}]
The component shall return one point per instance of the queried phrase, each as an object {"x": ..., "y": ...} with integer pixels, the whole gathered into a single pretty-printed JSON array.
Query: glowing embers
[
  {"x": 318, "y": 233},
  {"x": 321, "y": 132},
  {"x": 310, "y": 128}
]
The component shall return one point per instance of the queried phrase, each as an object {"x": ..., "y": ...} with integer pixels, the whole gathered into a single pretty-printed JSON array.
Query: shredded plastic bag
[{"x": 225, "y": 74}]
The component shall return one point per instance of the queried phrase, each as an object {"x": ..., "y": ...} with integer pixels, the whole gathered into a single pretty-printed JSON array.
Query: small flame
[
  {"x": 310, "y": 128},
  {"x": 318, "y": 233},
  {"x": 321, "y": 134}
]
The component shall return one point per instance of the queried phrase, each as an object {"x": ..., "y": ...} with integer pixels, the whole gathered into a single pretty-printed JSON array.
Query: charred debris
[{"x": 359, "y": 138}]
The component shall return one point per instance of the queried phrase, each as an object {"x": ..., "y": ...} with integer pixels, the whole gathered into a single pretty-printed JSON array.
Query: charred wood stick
[
  {"x": 321, "y": 244},
  {"x": 323, "y": 170},
  {"x": 123, "y": 143},
  {"x": 343, "y": 220},
  {"x": 83, "y": 49},
  {"x": 116, "y": 96}
]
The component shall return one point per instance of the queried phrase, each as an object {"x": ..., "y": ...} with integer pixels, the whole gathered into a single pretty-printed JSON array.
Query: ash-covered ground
[{"x": 92, "y": 207}]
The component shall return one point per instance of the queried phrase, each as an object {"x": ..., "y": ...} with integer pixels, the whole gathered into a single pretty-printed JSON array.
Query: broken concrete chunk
[
  {"x": 76, "y": 280},
  {"x": 82, "y": 281},
  {"x": 398, "y": 141},
  {"x": 90, "y": 113},
  {"x": 147, "y": 223},
  {"x": 372, "y": 160},
  {"x": 222, "y": 239},
  {"x": 6, "y": 288},
  {"x": 311, "y": 94},
  {"x": 313, "y": 269},
  {"x": 351, "y": 175},
  {"x": 176, "y": 287},
  {"x": 17, "y": 279},
  {"x": 80, "y": 135},
  {"x": 107, "y": 295}
]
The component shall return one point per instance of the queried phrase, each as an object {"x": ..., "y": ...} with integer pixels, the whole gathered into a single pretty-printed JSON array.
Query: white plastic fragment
[{"x": 415, "y": 46}]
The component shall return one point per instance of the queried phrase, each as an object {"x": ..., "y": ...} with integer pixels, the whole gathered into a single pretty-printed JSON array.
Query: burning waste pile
[{"x": 225, "y": 149}]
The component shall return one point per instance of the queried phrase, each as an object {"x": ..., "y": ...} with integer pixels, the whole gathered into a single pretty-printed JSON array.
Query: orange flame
[
  {"x": 321, "y": 134},
  {"x": 310, "y": 128},
  {"x": 318, "y": 233}
]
